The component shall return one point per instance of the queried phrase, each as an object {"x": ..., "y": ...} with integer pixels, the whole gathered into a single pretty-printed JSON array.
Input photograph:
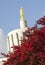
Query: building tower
[
  {"x": 14, "y": 36},
  {"x": 23, "y": 23}
]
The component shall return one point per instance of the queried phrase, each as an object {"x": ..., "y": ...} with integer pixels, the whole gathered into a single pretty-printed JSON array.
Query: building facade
[{"x": 14, "y": 37}]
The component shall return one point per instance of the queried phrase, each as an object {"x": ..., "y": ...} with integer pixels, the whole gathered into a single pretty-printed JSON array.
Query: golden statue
[{"x": 21, "y": 14}]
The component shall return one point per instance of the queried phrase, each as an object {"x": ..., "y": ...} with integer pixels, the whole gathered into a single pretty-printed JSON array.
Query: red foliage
[
  {"x": 32, "y": 49},
  {"x": 41, "y": 20}
]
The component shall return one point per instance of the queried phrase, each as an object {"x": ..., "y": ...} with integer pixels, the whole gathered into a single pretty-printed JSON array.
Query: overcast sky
[{"x": 9, "y": 15}]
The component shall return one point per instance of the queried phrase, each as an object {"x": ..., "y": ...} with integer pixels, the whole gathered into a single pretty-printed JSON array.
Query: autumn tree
[{"x": 32, "y": 48}]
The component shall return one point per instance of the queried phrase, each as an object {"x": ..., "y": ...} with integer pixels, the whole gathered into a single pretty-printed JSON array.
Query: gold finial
[{"x": 21, "y": 13}]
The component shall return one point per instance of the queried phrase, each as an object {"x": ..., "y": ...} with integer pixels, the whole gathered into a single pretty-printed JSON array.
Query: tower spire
[
  {"x": 23, "y": 23},
  {"x": 22, "y": 14}
]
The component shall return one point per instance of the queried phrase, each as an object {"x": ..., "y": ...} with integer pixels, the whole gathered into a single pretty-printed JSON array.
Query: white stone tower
[{"x": 14, "y": 36}]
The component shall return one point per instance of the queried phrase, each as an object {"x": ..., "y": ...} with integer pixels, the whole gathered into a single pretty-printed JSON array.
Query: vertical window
[
  {"x": 12, "y": 39},
  {"x": 17, "y": 38},
  {"x": 8, "y": 44}
]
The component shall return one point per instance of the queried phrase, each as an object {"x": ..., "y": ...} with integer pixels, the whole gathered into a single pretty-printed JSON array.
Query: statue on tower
[
  {"x": 23, "y": 23},
  {"x": 21, "y": 13}
]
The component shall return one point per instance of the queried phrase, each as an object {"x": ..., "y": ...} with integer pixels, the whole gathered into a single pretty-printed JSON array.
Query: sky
[{"x": 10, "y": 15}]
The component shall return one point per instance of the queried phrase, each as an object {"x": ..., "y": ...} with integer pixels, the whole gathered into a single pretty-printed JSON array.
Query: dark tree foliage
[
  {"x": 32, "y": 49},
  {"x": 41, "y": 21}
]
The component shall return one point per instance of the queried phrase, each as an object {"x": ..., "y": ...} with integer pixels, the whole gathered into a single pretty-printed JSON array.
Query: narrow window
[
  {"x": 12, "y": 39},
  {"x": 17, "y": 38},
  {"x": 8, "y": 43}
]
